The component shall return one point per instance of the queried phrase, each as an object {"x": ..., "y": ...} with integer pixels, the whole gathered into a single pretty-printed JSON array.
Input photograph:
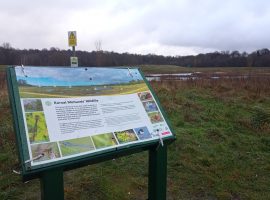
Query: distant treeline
[{"x": 57, "y": 57}]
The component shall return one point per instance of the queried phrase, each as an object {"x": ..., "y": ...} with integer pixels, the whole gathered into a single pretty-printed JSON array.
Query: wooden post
[
  {"x": 52, "y": 185},
  {"x": 157, "y": 179}
]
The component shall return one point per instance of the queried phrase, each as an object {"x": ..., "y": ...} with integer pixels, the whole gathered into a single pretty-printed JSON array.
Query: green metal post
[
  {"x": 52, "y": 185},
  {"x": 157, "y": 180}
]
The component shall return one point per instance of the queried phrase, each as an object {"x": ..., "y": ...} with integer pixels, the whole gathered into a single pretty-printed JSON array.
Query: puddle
[{"x": 195, "y": 75}]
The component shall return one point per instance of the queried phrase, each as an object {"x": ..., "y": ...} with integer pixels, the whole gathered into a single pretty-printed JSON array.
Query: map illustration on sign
[{"x": 69, "y": 112}]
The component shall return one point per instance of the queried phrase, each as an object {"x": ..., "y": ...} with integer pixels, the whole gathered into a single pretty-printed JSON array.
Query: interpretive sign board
[{"x": 66, "y": 114}]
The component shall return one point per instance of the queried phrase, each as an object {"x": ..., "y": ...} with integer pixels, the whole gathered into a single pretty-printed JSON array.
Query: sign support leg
[
  {"x": 157, "y": 180},
  {"x": 52, "y": 185}
]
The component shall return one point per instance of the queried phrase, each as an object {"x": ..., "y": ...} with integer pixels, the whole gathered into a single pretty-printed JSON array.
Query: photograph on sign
[{"x": 66, "y": 116}]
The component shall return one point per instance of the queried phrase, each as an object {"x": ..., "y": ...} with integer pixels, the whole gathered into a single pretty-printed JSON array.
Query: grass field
[
  {"x": 222, "y": 149},
  {"x": 77, "y": 91},
  {"x": 223, "y": 129}
]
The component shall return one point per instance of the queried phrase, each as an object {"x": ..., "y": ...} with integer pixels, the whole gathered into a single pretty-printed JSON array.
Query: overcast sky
[{"x": 167, "y": 27}]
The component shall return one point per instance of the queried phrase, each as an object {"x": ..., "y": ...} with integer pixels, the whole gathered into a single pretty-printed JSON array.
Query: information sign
[
  {"x": 68, "y": 113},
  {"x": 72, "y": 38},
  {"x": 74, "y": 61}
]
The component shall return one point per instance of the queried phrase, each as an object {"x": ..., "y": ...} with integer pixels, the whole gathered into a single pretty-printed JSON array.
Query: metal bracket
[
  {"x": 130, "y": 72},
  {"x": 22, "y": 68},
  {"x": 161, "y": 143}
]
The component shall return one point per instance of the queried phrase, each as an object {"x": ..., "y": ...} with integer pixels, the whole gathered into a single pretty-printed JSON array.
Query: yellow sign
[{"x": 72, "y": 38}]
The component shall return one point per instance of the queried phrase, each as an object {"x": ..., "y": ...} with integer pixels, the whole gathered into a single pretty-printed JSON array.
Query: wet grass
[
  {"x": 222, "y": 149},
  {"x": 220, "y": 152}
]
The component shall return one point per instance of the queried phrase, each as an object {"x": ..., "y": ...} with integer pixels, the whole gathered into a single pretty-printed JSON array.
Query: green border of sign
[{"x": 29, "y": 173}]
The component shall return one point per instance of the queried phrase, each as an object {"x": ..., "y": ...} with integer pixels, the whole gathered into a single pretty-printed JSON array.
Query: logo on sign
[{"x": 48, "y": 103}]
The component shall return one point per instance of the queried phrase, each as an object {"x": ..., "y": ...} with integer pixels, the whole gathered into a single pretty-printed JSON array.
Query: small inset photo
[
  {"x": 45, "y": 151},
  {"x": 159, "y": 131},
  {"x": 75, "y": 146},
  {"x": 32, "y": 105},
  {"x": 104, "y": 140},
  {"x": 126, "y": 136},
  {"x": 37, "y": 127},
  {"x": 144, "y": 96},
  {"x": 143, "y": 133},
  {"x": 150, "y": 106},
  {"x": 155, "y": 117}
]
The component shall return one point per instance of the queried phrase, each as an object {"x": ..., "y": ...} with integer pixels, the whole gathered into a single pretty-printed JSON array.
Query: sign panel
[
  {"x": 71, "y": 112},
  {"x": 74, "y": 61},
  {"x": 72, "y": 38}
]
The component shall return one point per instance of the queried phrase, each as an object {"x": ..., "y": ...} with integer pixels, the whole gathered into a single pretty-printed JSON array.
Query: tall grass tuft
[{"x": 260, "y": 118}]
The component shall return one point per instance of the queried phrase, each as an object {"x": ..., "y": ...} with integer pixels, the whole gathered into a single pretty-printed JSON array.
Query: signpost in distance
[{"x": 72, "y": 42}]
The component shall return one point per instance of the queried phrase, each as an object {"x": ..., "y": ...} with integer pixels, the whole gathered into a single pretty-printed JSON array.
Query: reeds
[
  {"x": 253, "y": 93},
  {"x": 251, "y": 87}
]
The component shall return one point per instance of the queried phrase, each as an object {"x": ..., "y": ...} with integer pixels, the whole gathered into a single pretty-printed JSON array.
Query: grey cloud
[
  {"x": 197, "y": 25},
  {"x": 213, "y": 24}
]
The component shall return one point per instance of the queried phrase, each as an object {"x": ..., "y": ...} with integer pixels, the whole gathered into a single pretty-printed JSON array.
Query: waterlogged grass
[
  {"x": 170, "y": 69},
  {"x": 222, "y": 149}
]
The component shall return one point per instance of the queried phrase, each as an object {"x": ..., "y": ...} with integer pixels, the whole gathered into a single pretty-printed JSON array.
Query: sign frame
[{"x": 51, "y": 176}]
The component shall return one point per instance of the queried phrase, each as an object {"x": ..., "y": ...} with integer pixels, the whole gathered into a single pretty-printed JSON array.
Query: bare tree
[
  {"x": 6, "y": 45},
  {"x": 98, "y": 46},
  {"x": 99, "y": 52}
]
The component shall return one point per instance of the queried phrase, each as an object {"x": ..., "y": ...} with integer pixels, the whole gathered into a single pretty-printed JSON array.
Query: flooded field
[{"x": 205, "y": 75}]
